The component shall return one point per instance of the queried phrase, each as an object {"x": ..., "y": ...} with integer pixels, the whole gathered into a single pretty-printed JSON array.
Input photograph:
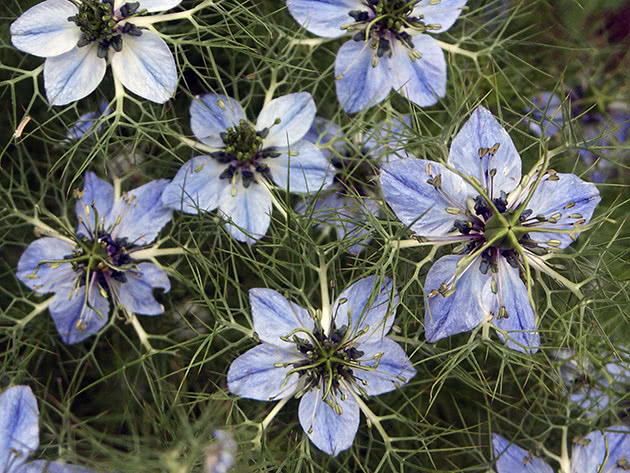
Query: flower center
[
  {"x": 355, "y": 173},
  {"x": 104, "y": 258}
]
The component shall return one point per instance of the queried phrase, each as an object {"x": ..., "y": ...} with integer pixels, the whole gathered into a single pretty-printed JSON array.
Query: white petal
[
  {"x": 296, "y": 113},
  {"x": 156, "y": 5}
]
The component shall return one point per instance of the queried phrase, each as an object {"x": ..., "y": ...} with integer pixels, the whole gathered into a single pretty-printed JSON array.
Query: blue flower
[
  {"x": 388, "y": 48},
  {"x": 87, "y": 123},
  {"x": 598, "y": 452},
  {"x": 346, "y": 204},
  {"x": 546, "y": 115},
  {"x": 78, "y": 40},
  {"x": 220, "y": 455},
  {"x": 97, "y": 265},
  {"x": 481, "y": 282},
  {"x": 19, "y": 435},
  {"x": 231, "y": 178},
  {"x": 327, "y": 367}
]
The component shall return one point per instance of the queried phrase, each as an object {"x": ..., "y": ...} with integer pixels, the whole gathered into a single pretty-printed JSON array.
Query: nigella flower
[
  {"x": 354, "y": 191},
  {"x": 598, "y": 452},
  {"x": 328, "y": 365},
  {"x": 388, "y": 48},
  {"x": 500, "y": 227},
  {"x": 97, "y": 265},
  {"x": 231, "y": 178},
  {"x": 19, "y": 435},
  {"x": 79, "y": 37},
  {"x": 87, "y": 123}
]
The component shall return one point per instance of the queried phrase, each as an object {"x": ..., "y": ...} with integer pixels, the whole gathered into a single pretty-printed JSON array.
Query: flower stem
[
  {"x": 142, "y": 335},
  {"x": 453, "y": 48},
  {"x": 157, "y": 252},
  {"x": 322, "y": 273},
  {"x": 267, "y": 420},
  {"x": 38, "y": 308}
]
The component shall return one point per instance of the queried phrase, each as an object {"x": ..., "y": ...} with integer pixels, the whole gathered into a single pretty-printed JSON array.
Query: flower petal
[
  {"x": 45, "y": 466},
  {"x": 513, "y": 459},
  {"x": 146, "y": 67},
  {"x": 47, "y": 277},
  {"x": 329, "y": 431},
  {"x": 458, "y": 312},
  {"x": 142, "y": 214},
  {"x": 254, "y": 374},
  {"x": 73, "y": 75},
  {"x": 136, "y": 294},
  {"x": 44, "y": 30},
  {"x": 324, "y": 131},
  {"x": 568, "y": 200},
  {"x": 274, "y": 317},
  {"x": 429, "y": 212},
  {"x": 393, "y": 369},
  {"x": 19, "y": 426},
  {"x": 323, "y": 17},
  {"x": 301, "y": 168},
  {"x": 101, "y": 193},
  {"x": 423, "y": 80},
  {"x": 248, "y": 211},
  {"x": 443, "y": 13},
  {"x": 156, "y": 5},
  {"x": 370, "y": 302},
  {"x": 196, "y": 186},
  {"x": 296, "y": 113},
  {"x": 213, "y": 114},
  {"x": 600, "y": 452},
  {"x": 358, "y": 84}
]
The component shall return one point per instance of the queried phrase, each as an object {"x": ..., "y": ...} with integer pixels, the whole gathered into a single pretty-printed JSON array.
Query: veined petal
[
  {"x": 329, "y": 431},
  {"x": 19, "y": 427},
  {"x": 155, "y": 5},
  {"x": 46, "y": 277},
  {"x": 101, "y": 193},
  {"x": 146, "y": 67},
  {"x": 44, "y": 30},
  {"x": 358, "y": 84},
  {"x": 458, "y": 312},
  {"x": 323, "y": 17},
  {"x": 482, "y": 132},
  {"x": 274, "y": 317},
  {"x": 139, "y": 215},
  {"x": 45, "y": 466},
  {"x": 370, "y": 303},
  {"x": 301, "y": 168},
  {"x": 419, "y": 204},
  {"x": 211, "y": 115},
  {"x": 296, "y": 113},
  {"x": 513, "y": 459},
  {"x": 136, "y": 294},
  {"x": 443, "y": 13},
  {"x": 601, "y": 451},
  {"x": 567, "y": 200},
  {"x": 423, "y": 80},
  {"x": 73, "y": 75},
  {"x": 254, "y": 374},
  {"x": 392, "y": 370},
  {"x": 248, "y": 211},
  {"x": 196, "y": 186}
]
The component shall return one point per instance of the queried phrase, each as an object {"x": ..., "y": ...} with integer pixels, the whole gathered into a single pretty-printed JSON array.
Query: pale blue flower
[
  {"x": 481, "y": 282},
  {"x": 546, "y": 116},
  {"x": 388, "y": 50},
  {"x": 19, "y": 435},
  {"x": 231, "y": 178},
  {"x": 327, "y": 367},
  {"x": 86, "y": 123},
  {"x": 97, "y": 264},
  {"x": 78, "y": 38},
  {"x": 220, "y": 455},
  {"x": 598, "y": 452}
]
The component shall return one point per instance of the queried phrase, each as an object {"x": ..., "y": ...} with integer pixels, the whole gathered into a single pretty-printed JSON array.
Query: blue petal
[
  {"x": 248, "y": 211},
  {"x": 137, "y": 292},
  {"x": 359, "y": 85},
  {"x": 254, "y": 374},
  {"x": 443, "y": 13},
  {"x": 324, "y": 17},
  {"x": 155, "y": 5},
  {"x": 99, "y": 192},
  {"x": 482, "y": 130},
  {"x": 458, "y": 312},
  {"x": 196, "y": 186},
  {"x": 44, "y": 466},
  {"x": 19, "y": 427},
  {"x": 301, "y": 168},
  {"x": 142, "y": 214},
  {"x": 371, "y": 302},
  {"x": 419, "y": 204},
  {"x": 329, "y": 431},
  {"x": 146, "y": 67},
  {"x": 276, "y": 317},
  {"x": 570, "y": 199},
  {"x": 512, "y": 294},
  {"x": 423, "y": 80},
  {"x": 44, "y": 30},
  {"x": 393, "y": 370},
  {"x": 211, "y": 115},
  {"x": 323, "y": 132},
  {"x": 84, "y": 125},
  {"x": 45, "y": 279},
  {"x": 546, "y": 117},
  {"x": 296, "y": 113},
  {"x": 73, "y": 75},
  {"x": 513, "y": 459},
  {"x": 600, "y": 452}
]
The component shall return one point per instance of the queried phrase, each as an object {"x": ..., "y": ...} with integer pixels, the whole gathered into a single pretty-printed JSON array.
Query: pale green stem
[
  {"x": 372, "y": 419},
  {"x": 117, "y": 190},
  {"x": 279, "y": 207},
  {"x": 273, "y": 85},
  {"x": 322, "y": 273},
  {"x": 43, "y": 228},
  {"x": 311, "y": 42},
  {"x": 184, "y": 15},
  {"x": 142, "y": 335},
  {"x": 453, "y": 48},
  {"x": 157, "y": 252},
  {"x": 196, "y": 145},
  {"x": 542, "y": 266},
  {"x": 38, "y": 308}
]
